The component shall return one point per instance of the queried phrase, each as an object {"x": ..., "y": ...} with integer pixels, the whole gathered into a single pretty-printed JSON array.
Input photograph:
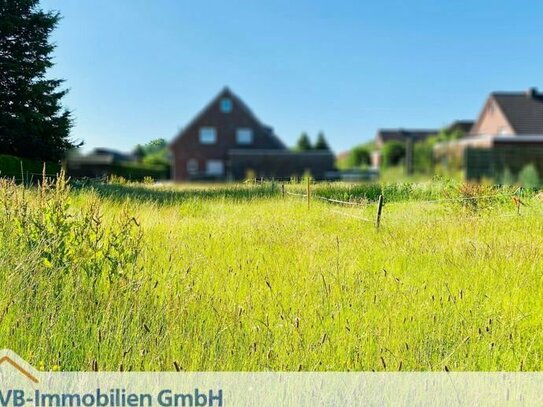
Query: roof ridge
[
  {"x": 508, "y": 93},
  {"x": 401, "y": 129},
  {"x": 226, "y": 91}
]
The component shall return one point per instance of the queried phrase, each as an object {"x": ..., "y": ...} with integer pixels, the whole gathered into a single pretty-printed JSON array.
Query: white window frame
[
  {"x": 226, "y": 105},
  {"x": 212, "y": 167},
  {"x": 244, "y": 136},
  {"x": 208, "y": 135},
  {"x": 192, "y": 166}
]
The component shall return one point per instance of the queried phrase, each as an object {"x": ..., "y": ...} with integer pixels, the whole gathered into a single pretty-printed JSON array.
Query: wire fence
[
  {"x": 32, "y": 177},
  {"x": 516, "y": 201},
  {"x": 35, "y": 178},
  {"x": 350, "y": 215}
]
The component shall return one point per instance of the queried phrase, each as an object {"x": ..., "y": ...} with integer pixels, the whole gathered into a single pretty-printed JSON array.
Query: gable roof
[
  {"x": 226, "y": 92},
  {"x": 523, "y": 110},
  {"x": 462, "y": 125}
]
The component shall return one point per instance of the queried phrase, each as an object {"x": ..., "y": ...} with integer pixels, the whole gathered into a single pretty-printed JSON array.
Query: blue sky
[{"x": 140, "y": 69}]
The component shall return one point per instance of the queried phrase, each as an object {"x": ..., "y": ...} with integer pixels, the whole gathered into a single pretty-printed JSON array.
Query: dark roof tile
[
  {"x": 524, "y": 111},
  {"x": 385, "y": 135}
]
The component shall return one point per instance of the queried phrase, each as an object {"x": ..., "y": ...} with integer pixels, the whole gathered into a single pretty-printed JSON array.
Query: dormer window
[
  {"x": 226, "y": 105},
  {"x": 208, "y": 135}
]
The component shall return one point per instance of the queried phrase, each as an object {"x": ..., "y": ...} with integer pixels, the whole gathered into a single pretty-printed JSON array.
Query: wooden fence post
[
  {"x": 283, "y": 190},
  {"x": 308, "y": 194},
  {"x": 379, "y": 210},
  {"x": 518, "y": 203}
]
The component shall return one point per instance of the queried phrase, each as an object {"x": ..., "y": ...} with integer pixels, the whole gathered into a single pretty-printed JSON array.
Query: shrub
[
  {"x": 507, "y": 177},
  {"x": 156, "y": 159},
  {"x": 423, "y": 156},
  {"x": 528, "y": 177},
  {"x": 393, "y": 153},
  {"x": 67, "y": 240},
  {"x": 116, "y": 180},
  {"x": 359, "y": 156},
  {"x": 10, "y": 167},
  {"x": 137, "y": 172}
]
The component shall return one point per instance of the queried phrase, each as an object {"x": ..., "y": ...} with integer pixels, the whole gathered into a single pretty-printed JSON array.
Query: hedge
[
  {"x": 137, "y": 172},
  {"x": 10, "y": 166}
]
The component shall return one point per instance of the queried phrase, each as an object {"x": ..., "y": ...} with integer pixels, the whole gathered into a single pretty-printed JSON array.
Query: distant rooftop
[
  {"x": 462, "y": 125},
  {"x": 386, "y": 135}
]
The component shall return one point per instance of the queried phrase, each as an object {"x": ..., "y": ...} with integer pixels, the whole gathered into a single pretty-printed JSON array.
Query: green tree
[
  {"x": 139, "y": 152},
  {"x": 157, "y": 159},
  {"x": 155, "y": 152},
  {"x": 358, "y": 157},
  {"x": 423, "y": 156},
  {"x": 158, "y": 145},
  {"x": 303, "y": 144},
  {"x": 321, "y": 143},
  {"x": 393, "y": 153},
  {"x": 33, "y": 122},
  {"x": 448, "y": 135}
]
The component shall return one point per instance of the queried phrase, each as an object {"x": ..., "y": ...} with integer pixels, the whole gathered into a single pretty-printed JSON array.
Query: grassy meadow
[{"x": 238, "y": 278}]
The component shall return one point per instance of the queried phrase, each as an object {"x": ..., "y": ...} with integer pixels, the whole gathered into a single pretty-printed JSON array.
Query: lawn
[{"x": 239, "y": 278}]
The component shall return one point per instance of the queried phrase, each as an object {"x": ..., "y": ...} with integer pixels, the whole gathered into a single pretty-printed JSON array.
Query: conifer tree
[{"x": 33, "y": 122}]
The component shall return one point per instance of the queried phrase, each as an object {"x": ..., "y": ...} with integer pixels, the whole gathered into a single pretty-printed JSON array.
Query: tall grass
[{"x": 141, "y": 278}]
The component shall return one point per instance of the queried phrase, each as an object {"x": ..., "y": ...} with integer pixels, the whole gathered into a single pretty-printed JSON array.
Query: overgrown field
[{"x": 239, "y": 278}]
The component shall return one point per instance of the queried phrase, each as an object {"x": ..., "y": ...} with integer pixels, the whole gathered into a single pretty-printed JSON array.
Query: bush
[
  {"x": 507, "y": 177},
  {"x": 528, "y": 177},
  {"x": 138, "y": 172},
  {"x": 423, "y": 156},
  {"x": 358, "y": 157},
  {"x": 156, "y": 159},
  {"x": 393, "y": 153},
  {"x": 68, "y": 240},
  {"x": 10, "y": 167}
]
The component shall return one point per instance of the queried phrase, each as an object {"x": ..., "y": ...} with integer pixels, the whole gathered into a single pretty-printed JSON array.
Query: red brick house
[
  {"x": 227, "y": 141},
  {"x": 508, "y": 119},
  {"x": 508, "y": 133}
]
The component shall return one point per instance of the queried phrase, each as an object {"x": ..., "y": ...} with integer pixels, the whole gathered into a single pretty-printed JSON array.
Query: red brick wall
[{"x": 187, "y": 146}]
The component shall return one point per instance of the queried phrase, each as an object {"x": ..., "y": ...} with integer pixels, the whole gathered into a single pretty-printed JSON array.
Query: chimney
[{"x": 531, "y": 93}]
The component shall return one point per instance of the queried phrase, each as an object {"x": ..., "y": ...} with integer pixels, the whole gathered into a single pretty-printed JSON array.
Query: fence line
[
  {"x": 351, "y": 215},
  {"x": 457, "y": 199},
  {"x": 403, "y": 202},
  {"x": 338, "y": 201},
  {"x": 449, "y": 199},
  {"x": 335, "y": 201},
  {"x": 322, "y": 198},
  {"x": 294, "y": 194}
]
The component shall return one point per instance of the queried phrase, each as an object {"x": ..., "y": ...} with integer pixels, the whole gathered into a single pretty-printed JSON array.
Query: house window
[
  {"x": 192, "y": 166},
  {"x": 208, "y": 135},
  {"x": 502, "y": 131},
  {"x": 214, "y": 167},
  {"x": 244, "y": 136},
  {"x": 226, "y": 105}
]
